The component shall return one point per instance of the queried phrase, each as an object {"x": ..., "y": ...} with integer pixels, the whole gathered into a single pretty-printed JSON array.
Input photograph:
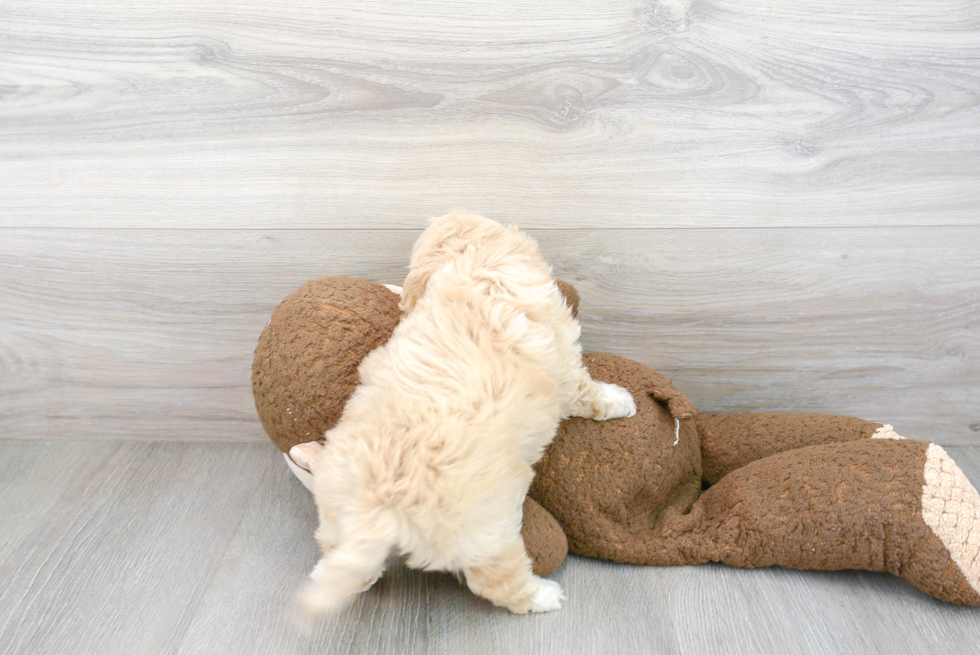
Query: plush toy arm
[
  {"x": 730, "y": 441},
  {"x": 896, "y": 506},
  {"x": 677, "y": 404}
]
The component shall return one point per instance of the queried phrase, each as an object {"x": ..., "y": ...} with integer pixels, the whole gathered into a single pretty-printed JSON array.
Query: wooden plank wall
[{"x": 777, "y": 203}]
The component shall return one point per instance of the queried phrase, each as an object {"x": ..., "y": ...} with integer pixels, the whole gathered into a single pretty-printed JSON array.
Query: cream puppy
[{"x": 432, "y": 457}]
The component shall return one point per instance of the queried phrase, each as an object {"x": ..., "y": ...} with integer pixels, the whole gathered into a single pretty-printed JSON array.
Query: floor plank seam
[{"x": 181, "y": 639}]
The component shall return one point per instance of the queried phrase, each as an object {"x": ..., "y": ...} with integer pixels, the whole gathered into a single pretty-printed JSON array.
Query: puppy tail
[{"x": 351, "y": 566}]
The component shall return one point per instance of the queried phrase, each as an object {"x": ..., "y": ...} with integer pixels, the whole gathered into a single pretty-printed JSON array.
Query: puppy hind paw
[
  {"x": 614, "y": 402},
  {"x": 368, "y": 583},
  {"x": 548, "y": 597},
  {"x": 310, "y": 606}
]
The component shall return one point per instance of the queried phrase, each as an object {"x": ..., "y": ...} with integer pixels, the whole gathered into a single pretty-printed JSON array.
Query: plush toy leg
[
  {"x": 897, "y": 506},
  {"x": 730, "y": 441}
]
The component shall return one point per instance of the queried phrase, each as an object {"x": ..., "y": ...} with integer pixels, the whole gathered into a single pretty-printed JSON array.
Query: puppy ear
[
  {"x": 414, "y": 286},
  {"x": 432, "y": 249},
  {"x": 305, "y": 454}
]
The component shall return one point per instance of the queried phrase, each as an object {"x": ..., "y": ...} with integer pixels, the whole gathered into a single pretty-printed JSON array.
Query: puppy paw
[
  {"x": 368, "y": 583},
  {"x": 614, "y": 402},
  {"x": 310, "y": 606},
  {"x": 548, "y": 597}
]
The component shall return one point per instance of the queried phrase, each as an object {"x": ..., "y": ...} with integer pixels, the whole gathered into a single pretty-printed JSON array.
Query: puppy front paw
[{"x": 614, "y": 402}]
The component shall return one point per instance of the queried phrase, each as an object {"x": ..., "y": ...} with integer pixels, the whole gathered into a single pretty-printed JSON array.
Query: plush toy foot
[
  {"x": 951, "y": 509},
  {"x": 301, "y": 459},
  {"x": 897, "y": 506}
]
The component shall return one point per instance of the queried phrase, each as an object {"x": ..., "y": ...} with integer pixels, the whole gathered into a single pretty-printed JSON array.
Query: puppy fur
[{"x": 433, "y": 455}]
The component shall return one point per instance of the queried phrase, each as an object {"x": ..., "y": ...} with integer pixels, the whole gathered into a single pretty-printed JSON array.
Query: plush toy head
[{"x": 305, "y": 365}]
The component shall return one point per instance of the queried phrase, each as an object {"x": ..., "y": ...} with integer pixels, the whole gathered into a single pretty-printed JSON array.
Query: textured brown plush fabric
[
  {"x": 604, "y": 480},
  {"x": 854, "y": 505},
  {"x": 544, "y": 540},
  {"x": 730, "y": 441},
  {"x": 793, "y": 490},
  {"x": 571, "y": 295},
  {"x": 305, "y": 364}
]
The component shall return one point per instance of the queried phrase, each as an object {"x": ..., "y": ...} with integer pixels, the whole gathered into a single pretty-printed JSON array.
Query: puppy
[{"x": 433, "y": 455}]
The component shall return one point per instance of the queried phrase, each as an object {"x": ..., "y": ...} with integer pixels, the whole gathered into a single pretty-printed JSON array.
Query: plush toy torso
[{"x": 606, "y": 482}]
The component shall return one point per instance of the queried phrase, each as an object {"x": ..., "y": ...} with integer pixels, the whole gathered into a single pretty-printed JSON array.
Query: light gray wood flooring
[{"x": 166, "y": 547}]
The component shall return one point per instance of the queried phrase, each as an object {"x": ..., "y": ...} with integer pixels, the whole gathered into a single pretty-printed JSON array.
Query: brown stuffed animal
[{"x": 670, "y": 485}]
